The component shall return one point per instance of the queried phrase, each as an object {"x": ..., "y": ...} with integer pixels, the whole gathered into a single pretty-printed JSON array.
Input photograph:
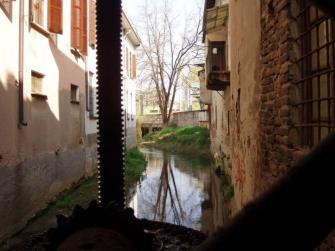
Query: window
[
  {"x": 36, "y": 82},
  {"x": 38, "y": 12},
  {"x": 127, "y": 62},
  {"x": 55, "y": 16},
  {"x": 316, "y": 76},
  {"x": 127, "y": 106},
  {"x": 216, "y": 56},
  {"x": 52, "y": 18},
  {"x": 37, "y": 89},
  {"x": 131, "y": 106},
  {"x": 90, "y": 95},
  {"x": 129, "y": 66},
  {"x": 74, "y": 94},
  {"x": 6, "y": 6},
  {"x": 133, "y": 66},
  {"x": 79, "y": 26}
]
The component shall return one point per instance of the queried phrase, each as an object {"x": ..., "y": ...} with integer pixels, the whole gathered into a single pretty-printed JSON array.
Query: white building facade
[
  {"x": 43, "y": 70},
  {"x": 130, "y": 42}
]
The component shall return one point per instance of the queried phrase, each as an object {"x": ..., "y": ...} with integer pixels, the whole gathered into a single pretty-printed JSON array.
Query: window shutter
[
  {"x": 75, "y": 24},
  {"x": 92, "y": 23},
  {"x": 83, "y": 42},
  {"x": 133, "y": 67},
  {"x": 55, "y": 17}
]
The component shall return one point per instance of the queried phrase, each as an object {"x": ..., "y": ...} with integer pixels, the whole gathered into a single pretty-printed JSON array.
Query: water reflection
[{"x": 179, "y": 190}]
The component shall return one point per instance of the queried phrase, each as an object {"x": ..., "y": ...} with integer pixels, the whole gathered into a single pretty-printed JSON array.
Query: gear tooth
[
  {"x": 61, "y": 220},
  {"x": 78, "y": 211},
  {"x": 93, "y": 204}
]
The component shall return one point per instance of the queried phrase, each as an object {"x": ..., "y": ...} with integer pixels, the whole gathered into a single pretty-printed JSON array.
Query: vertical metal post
[{"x": 110, "y": 118}]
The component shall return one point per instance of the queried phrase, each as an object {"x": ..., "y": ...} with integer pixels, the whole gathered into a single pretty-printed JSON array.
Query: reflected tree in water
[
  {"x": 165, "y": 190},
  {"x": 172, "y": 190}
]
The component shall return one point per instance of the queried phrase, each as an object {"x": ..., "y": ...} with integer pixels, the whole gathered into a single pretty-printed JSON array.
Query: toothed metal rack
[{"x": 110, "y": 115}]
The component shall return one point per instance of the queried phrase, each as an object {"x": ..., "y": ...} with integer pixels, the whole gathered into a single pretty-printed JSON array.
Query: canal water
[{"x": 183, "y": 190}]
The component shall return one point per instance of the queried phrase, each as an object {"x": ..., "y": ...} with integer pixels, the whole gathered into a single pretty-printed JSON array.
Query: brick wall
[
  {"x": 277, "y": 83},
  {"x": 280, "y": 140}
]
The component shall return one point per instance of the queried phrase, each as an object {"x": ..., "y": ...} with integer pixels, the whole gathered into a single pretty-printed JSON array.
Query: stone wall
[{"x": 189, "y": 118}]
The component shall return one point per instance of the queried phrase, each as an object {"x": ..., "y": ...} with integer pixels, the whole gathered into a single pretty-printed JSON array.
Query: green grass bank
[{"x": 184, "y": 140}]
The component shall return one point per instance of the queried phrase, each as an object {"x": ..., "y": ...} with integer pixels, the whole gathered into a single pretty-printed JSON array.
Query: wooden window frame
[
  {"x": 55, "y": 20},
  {"x": 41, "y": 24},
  {"x": 81, "y": 44},
  {"x": 133, "y": 66},
  {"x": 48, "y": 24},
  {"x": 219, "y": 59}
]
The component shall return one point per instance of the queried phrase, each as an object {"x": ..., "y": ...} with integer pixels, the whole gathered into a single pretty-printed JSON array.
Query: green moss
[
  {"x": 228, "y": 188},
  {"x": 78, "y": 195},
  {"x": 135, "y": 165}
]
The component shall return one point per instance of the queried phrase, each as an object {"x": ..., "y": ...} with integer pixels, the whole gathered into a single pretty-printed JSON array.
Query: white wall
[{"x": 129, "y": 94}]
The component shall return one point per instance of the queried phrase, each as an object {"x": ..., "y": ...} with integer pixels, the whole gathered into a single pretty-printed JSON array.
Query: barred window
[{"x": 316, "y": 78}]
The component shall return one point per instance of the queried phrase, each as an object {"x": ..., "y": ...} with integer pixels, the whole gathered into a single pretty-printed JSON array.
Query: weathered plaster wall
[
  {"x": 39, "y": 160},
  {"x": 244, "y": 32}
]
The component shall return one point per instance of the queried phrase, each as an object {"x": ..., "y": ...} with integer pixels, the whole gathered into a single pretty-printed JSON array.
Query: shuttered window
[
  {"x": 79, "y": 26},
  {"x": 133, "y": 67},
  {"x": 55, "y": 17},
  {"x": 75, "y": 23},
  {"x": 92, "y": 23},
  {"x": 83, "y": 45}
]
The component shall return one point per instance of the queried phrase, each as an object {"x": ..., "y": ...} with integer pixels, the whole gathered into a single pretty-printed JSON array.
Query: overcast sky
[{"x": 182, "y": 7}]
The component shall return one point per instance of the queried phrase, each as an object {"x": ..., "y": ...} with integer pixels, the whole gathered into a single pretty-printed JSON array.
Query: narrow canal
[{"x": 182, "y": 190}]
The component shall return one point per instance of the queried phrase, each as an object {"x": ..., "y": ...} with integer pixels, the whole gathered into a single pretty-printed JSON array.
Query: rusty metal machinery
[{"x": 110, "y": 118}]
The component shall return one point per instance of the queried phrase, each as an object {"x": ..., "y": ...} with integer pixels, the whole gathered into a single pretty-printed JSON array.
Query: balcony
[
  {"x": 216, "y": 17},
  {"x": 218, "y": 80},
  {"x": 217, "y": 76}
]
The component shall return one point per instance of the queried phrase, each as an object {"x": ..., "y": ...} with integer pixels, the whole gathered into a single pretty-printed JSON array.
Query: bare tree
[{"x": 168, "y": 51}]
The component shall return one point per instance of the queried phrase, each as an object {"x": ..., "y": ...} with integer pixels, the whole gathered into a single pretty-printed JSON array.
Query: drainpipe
[{"x": 21, "y": 58}]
